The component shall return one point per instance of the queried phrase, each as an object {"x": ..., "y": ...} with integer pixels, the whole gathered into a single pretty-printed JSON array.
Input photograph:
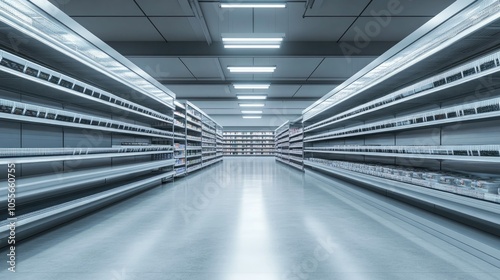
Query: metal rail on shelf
[
  {"x": 455, "y": 150},
  {"x": 35, "y": 159},
  {"x": 486, "y": 65},
  {"x": 28, "y": 70},
  {"x": 193, "y": 138},
  {"x": 30, "y": 189},
  {"x": 468, "y": 112},
  {"x": 18, "y": 111}
]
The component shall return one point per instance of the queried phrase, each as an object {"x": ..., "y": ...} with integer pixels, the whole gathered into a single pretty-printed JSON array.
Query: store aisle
[{"x": 250, "y": 218}]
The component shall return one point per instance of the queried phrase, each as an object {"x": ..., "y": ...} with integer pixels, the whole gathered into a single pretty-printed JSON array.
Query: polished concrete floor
[{"x": 255, "y": 219}]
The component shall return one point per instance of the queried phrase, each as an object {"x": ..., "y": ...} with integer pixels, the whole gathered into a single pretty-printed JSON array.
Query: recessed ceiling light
[
  {"x": 251, "y": 105},
  {"x": 253, "y": 5},
  {"x": 251, "y": 96},
  {"x": 252, "y": 40},
  {"x": 252, "y": 117},
  {"x": 250, "y": 46},
  {"x": 251, "y": 69},
  {"x": 251, "y": 112},
  {"x": 249, "y": 39},
  {"x": 251, "y": 86}
]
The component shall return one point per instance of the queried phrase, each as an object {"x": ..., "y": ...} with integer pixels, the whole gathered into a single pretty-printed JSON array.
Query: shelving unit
[
  {"x": 200, "y": 138},
  {"x": 417, "y": 118},
  {"x": 180, "y": 141},
  {"x": 209, "y": 141},
  {"x": 457, "y": 183},
  {"x": 193, "y": 137},
  {"x": 248, "y": 143},
  {"x": 68, "y": 121},
  {"x": 219, "y": 139},
  {"x": 281, "y": 143},
  {"x": 296, "y": 144},
  {"x": 289, "y": 143}
]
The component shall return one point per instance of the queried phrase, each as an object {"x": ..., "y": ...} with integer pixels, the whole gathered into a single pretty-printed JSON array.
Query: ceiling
[{"x": 178, "y": 42}]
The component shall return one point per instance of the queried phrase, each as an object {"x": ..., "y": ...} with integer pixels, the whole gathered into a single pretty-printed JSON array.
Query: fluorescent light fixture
[
  {"x": 252, "y": 117},
  {"x": 250, "y": 46},
  {"x": 253, "y": 5},
  {"x": 251, "y": 97},
  {"x": 251, "y": 112},
  {"x": 246, "y": 40},
  {"x": 251, "y": 105},
  {"x": 252, "y": 40},
  {"x": 251, "y": 86},
  {"x": 251, "y": 69}
]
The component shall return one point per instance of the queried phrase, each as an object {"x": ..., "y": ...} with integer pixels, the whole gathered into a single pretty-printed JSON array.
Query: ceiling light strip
[
  {"x": 251, "y": 69},
  {"x": 250, "y": 46},
  {"x": 251, "y": 86},
  {"x": 253, "y": 5},
  {"x": 251, "y": 104},
  {"x": 252, "y": 97},
  {"x": 246, "y": 40}
]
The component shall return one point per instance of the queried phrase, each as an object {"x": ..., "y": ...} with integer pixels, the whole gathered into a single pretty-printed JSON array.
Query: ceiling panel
[
  {"x": 213, "y": 15},
  {"x": 162, "y": 67},
  {"x": 313, "y": 91},
  {"x": 165, "y": 8},
  {"x": 226, "y": 20},
  {"x": 408, "y": 7},
  {"x": 337, "y": 8},
  {"x": 340, "y": 68},
  {"x": 179, "y": 28},
  {"x": 203, "y": 67},
  {"x": 98, "y": 7},
  {"x": 314, "y": 28},
  {"x": 396, "y": 29},
  {"x": 293, "y": 67},
  {"x": 112, "y": 28},
  {"x": 201, "y": 91},
  {"x": 271, "y": 20},
  {"x": 288, "y": 21}
]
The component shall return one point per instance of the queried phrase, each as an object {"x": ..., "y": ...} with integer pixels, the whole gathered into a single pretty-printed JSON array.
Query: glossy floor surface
[{"x": 254, "y": 218}]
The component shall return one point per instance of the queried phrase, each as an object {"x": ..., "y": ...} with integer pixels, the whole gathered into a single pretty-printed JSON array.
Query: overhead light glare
[
  {"x": 251, "y": 69},
  {"x": 254, "y": 97},
  {"x": 251, "y": 86},
  {"x": 252, "y": 117},
  {"x": 253, "y": 5},
  {"x": 251, "y": 112},
  {"x": 251, "y": 105},
  {"x": 250, "y": 46}
]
